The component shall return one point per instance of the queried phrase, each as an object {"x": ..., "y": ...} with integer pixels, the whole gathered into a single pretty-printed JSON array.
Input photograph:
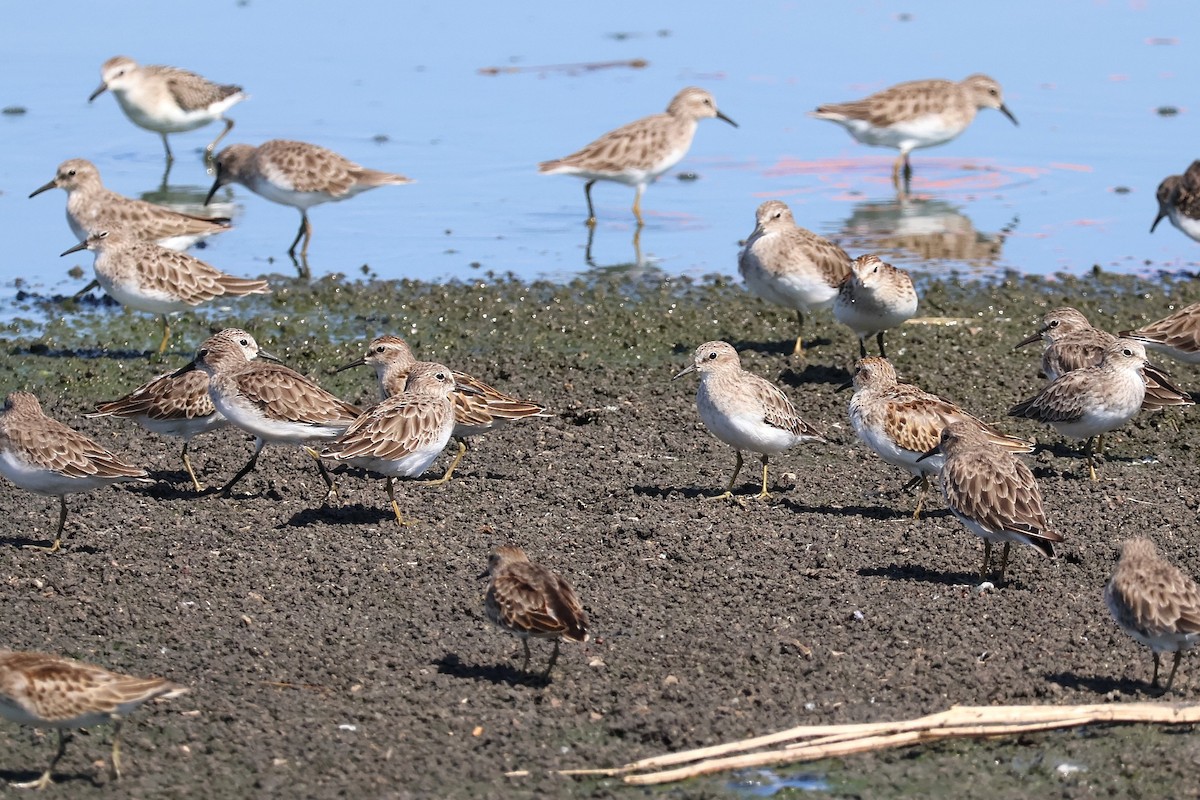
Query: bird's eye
[
  {"x": 1127, "y": 351},
  {"x": 712, "y": 356},
  {"x": 441, "y": 376},
  {"x": 380, "y": 349},
  {"x": 1054, "y": 323},
  {"x": 70, "y": 173},
  {"x": 102, "y": 235},
  {"x": 244, "y": 342},
  {"x": 202, "y": 353}
]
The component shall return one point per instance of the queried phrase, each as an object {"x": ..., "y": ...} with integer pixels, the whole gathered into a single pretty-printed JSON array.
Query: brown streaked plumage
[
  {"x": 91, "y": 208},
  {"x": 176, "y": 405},
  {"x": 992, "y": 492},
  {"x": 146, "y": 276},
  {"x": 1177, "y": 335},
  {"x": 901, "y": 423},
  {"x": 873, "y": 298},
  {"x": 1090, "y": 402},
  {"x": 45, "y": 691},
  {"x": 1179, "y": 199},
  {"x": 1155, "y": 603},
  {"x": 167, "y": 99},
  {"x": 529, "y": 600},
  {"x": 478, "y": 408},
  {"x": 916, "y": 114},
  {"x": 274, "y": 403},
  {"x": 40, "y": 454},
  {"x": 743, "y": 410},
  {"x": 791, "y": 266},
  {"x": 1072, "y": 343},
  {"x": 637, "y": 153},
  {"x": 297, "y": 174},
  {"x": 401, "y": 437}
]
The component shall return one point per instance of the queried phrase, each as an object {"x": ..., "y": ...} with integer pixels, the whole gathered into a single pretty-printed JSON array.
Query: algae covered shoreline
[{"x": 330, "y": 652}]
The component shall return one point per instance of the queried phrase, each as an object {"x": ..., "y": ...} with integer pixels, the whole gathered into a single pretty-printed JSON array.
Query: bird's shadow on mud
[
  {"x": 346, "y": 514},
  {"x": 451, "y": 664},
  {"x": 1102, "y": 684},
  {"x": 921, "y": 574}
]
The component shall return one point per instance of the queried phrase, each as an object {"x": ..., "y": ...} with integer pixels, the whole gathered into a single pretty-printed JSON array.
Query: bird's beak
[
  {"x": 848, "y": 384},
  {"x": 358, "y": 362},
  {"x": 81, "y": 246},
  {"x": 1004, "y": 110},
  {"x": 727, "y": 119},
  {"x": 188, "y": 367},
  {"x": 935, "y": 450},
  {"x": 1158, "y": 219},
  {"x": 216, "y": 185},
  {"x": 1028, "y": 340},
  {"x": 684, "y": 371},
  {"x": 54, "y": 183},
  {"x": 463, "y": 388},
  {"x": 101, "y": 90},
  {"x": 269, "y": 356}
]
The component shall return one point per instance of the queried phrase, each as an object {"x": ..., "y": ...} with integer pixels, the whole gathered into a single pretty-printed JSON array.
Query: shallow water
[{"x": 468, "y": 100}]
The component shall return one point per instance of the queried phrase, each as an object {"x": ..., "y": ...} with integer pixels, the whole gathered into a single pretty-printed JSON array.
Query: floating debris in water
[
  {"x": 1167, "y": 111},
  {"x": 587, "y": 66}
]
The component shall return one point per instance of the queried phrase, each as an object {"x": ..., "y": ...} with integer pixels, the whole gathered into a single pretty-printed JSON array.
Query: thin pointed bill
[
  {"x": 81, "y": 246},
  {"x": 1034, "y": 337},
  {"x": 99, "y": 91},
  {"x": 684, "y": 371},
  {"x": 216, "y": 185},
  {"x": 358, "y": 362},
  {"x": 734, "y": 124},
  {"x": 1004, "y": 110},
  {"x": 1161, "y": 213},
  {"x": 54, "y": 183},
  {"x": 934, "y": 451}
]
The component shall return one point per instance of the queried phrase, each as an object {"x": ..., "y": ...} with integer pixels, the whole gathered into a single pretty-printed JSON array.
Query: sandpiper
[
  {"x": 478, "y": 408},
  {"x": 177, "y": 406},
  {"x": 401, "y": 437},
  {"x": 992, "y": 492},
  {"x": 1179, "y": 200},
  {"x": 902, "y": 423},
  {"x": 45, "y": 691},
  {"x": 791, "y": 266},
  {"x": 1155, "y": 603},
  {"x": 167, "y": 99},
  {"x": 270, "y": 401},
  {"x": 299, "y": 175},
  {"x": 1090, "y": 402},
  {"x": 916, "y": 114},
  {"x": 1176, "y": 335},
  {"x": 743, "y": 410},
  {"x": 40, "y": 454},
  {"x": 637, "y": 153},
  {"x": 874, "y": 297},
  {"x": 91, "y": 208},
  {"x": 527, "y": 599},
  {"x": 149, "y": 277}
]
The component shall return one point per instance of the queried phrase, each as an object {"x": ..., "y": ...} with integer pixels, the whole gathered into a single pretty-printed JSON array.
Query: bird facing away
[
  {"x": 874, "y": 297},
  {"x": 791, "y": 266},
  {"x": 902, "y": 423},
  {"x": 478, "y": 408},
  {"x": 91, "y": 208},
  {"x": 273, "y": 403},
  {"x": 401, "y": 437},
  {"x": 637, "y": 153},
  {"x": 1176, "y": 335},
  {"x": 299, "y": 175},
  {"x": 45, "y": 691},
  {"x": 527, "y": 599},
  {"x": 177, "y": 406},
  {"x": 743, "y": 410},
  {"x": 992, "y": 492},
  {"x": 916, "y": 114},
  {"x": 1179, "y": 200},
  {"x": 167, "y": 99},
  {"x": 1072, "y": 343},
  {"x": 1090, "y": 402},
  {"x": 1155, "y": 603},
  {"x": 40, "y": 454},
  {"x": 146, "y": 276}
]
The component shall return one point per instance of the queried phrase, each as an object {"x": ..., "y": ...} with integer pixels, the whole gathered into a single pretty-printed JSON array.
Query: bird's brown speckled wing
[
  {"x": 898, "y": 103},
  {"x": 59, "y": 689},
  {"x": 284, "y": 394},
  {"x": 637, "y": 145},
  {"x": 191, "y": 91},
  {"x": 164, "y": 398},
  {"x": 393, "y": 429},
  {"x": 1180, "y": 330},
  {"x": 51, "y": 445},
  {"x": 533, "y": 600},
  {"x": 489, "y": 404},
  {"x": 999, "y": 493},
  {"x": 1061, "y": 401}
]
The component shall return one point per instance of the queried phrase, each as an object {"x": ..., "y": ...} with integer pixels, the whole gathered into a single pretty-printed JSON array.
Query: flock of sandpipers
[{"x": 1097, "y": 382}]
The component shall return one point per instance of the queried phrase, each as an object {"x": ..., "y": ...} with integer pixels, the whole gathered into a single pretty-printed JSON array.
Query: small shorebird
[
  {"x": 1090, "y": 402},
  {"x": 992, "y": 492},
  {"x": 527, "y": 599},
  {"x": 874, "y": 297},
  {"x": 1155, "y": 603},
  {"x": 1179, "y": 200},
  {"x": 146, "y": 276},
  {"x": 916, "y": 114},
  {"x": 91, "y": 208},
  {"x": 299, "y": 175},
  {"x": 902, "y": 423},
  {"x": 177, "y": 406},
  {"x": 743, "y": 410},
  {"x": 637, "y": 153},
  {"x": 401, "y": 437},
  {"x": 478, "y": 408},
  {"x": 791, "y": 266},
  {"x": 41, "y": 455},
  {"x": 1072, "y": 343},
  {"x": 1176, "y": 335},
  {"x": 45, "y": 691},
  {"x": 273, "y": 403},
  {"x": 167, "y": 99}
]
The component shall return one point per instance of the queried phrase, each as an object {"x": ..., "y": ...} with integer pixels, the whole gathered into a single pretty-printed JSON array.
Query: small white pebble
[
  {"x": 986, "y": 586},
  {"x": 1067, "y": 768},
  {"x": 345, "y": 727},
  {"x": 858, "y": 615}
]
